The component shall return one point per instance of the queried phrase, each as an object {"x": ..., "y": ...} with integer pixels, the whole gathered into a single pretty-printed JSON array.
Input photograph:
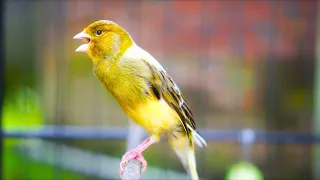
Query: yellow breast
[{"x": 155, "y": 116}]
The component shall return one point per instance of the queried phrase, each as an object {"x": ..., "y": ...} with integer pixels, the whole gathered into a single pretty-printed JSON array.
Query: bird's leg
[{"x": 136, "y": 154}]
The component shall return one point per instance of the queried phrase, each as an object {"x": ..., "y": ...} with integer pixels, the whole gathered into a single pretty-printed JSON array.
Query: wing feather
[{"x": 171, "y": 93}]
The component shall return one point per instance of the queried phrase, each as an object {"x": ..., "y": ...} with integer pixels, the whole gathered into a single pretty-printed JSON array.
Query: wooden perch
[{"x": 132, "y": 170}]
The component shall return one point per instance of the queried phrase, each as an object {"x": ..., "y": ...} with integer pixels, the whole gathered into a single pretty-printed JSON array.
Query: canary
[{"x": 144, "y": 90}]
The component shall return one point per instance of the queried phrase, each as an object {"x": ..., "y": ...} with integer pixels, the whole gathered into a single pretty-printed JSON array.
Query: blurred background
[{"x": 249, "y": 71}]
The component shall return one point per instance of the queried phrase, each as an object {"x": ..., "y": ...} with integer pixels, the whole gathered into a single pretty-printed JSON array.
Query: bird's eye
[{"x": 99, "y": 32}]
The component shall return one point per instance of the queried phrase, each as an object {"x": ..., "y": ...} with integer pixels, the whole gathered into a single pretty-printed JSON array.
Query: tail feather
[
  {"x": 198, "y": 140},
  {"x": 182, "y": 156},
  {"x": 185, "y": 152},
  {"x": 192, "y": 164},
  {"x": 188, "y": 161}
]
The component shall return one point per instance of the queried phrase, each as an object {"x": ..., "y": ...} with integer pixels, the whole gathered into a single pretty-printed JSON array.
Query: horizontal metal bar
[{"x": 89, "y": 132}]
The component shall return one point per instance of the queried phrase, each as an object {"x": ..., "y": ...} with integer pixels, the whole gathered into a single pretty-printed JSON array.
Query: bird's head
[{"x": 104, "y": 39}]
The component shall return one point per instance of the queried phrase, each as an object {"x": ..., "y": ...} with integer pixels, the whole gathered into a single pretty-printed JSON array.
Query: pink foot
[{"x": 133, "y": 154}]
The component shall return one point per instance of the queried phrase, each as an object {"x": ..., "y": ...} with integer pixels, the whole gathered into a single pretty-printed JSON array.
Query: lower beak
[{"x": 83, "y": 47}]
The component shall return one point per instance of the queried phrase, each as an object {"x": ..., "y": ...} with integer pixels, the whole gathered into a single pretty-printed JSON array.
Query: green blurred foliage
[
  {"x": 244, "y": 170},
  {"x": 22, "y": 109},
  {"x": 18, "y": 167}
]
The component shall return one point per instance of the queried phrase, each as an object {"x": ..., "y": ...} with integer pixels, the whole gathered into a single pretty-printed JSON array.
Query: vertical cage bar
[
  {"x": 1, "y": 87},
  {"x": 135, "y": 132},
  {"x": 316, "y": 149}
]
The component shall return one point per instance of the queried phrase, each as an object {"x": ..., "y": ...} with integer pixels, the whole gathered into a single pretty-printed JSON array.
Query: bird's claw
[{"x": 132, "y": 155}]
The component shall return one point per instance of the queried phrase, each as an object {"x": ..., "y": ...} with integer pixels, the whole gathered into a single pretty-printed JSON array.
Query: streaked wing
[{"x": 164, "y": 87}]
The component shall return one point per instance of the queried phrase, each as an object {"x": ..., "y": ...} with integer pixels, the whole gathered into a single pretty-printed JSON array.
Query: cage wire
[{"x": 2, "y": 80}]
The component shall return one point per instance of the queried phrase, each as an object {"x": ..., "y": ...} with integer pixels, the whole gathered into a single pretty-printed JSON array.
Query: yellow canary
[{"x": 144, "y": 91}]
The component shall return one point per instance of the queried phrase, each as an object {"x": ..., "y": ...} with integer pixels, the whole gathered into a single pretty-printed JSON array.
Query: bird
[{"x": 144, "y": 90}]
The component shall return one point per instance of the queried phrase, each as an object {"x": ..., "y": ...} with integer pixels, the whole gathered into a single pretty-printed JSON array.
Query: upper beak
[
  {"x": 83, "y": 47},
  {"x": 81, "y": 35}
]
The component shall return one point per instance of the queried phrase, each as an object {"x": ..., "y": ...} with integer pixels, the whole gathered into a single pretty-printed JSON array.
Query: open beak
[{"x": 84, "y": 36}]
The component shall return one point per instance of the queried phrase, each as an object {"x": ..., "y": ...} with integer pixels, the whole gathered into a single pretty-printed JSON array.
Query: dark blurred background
[{"x": 241, "y": 65}]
